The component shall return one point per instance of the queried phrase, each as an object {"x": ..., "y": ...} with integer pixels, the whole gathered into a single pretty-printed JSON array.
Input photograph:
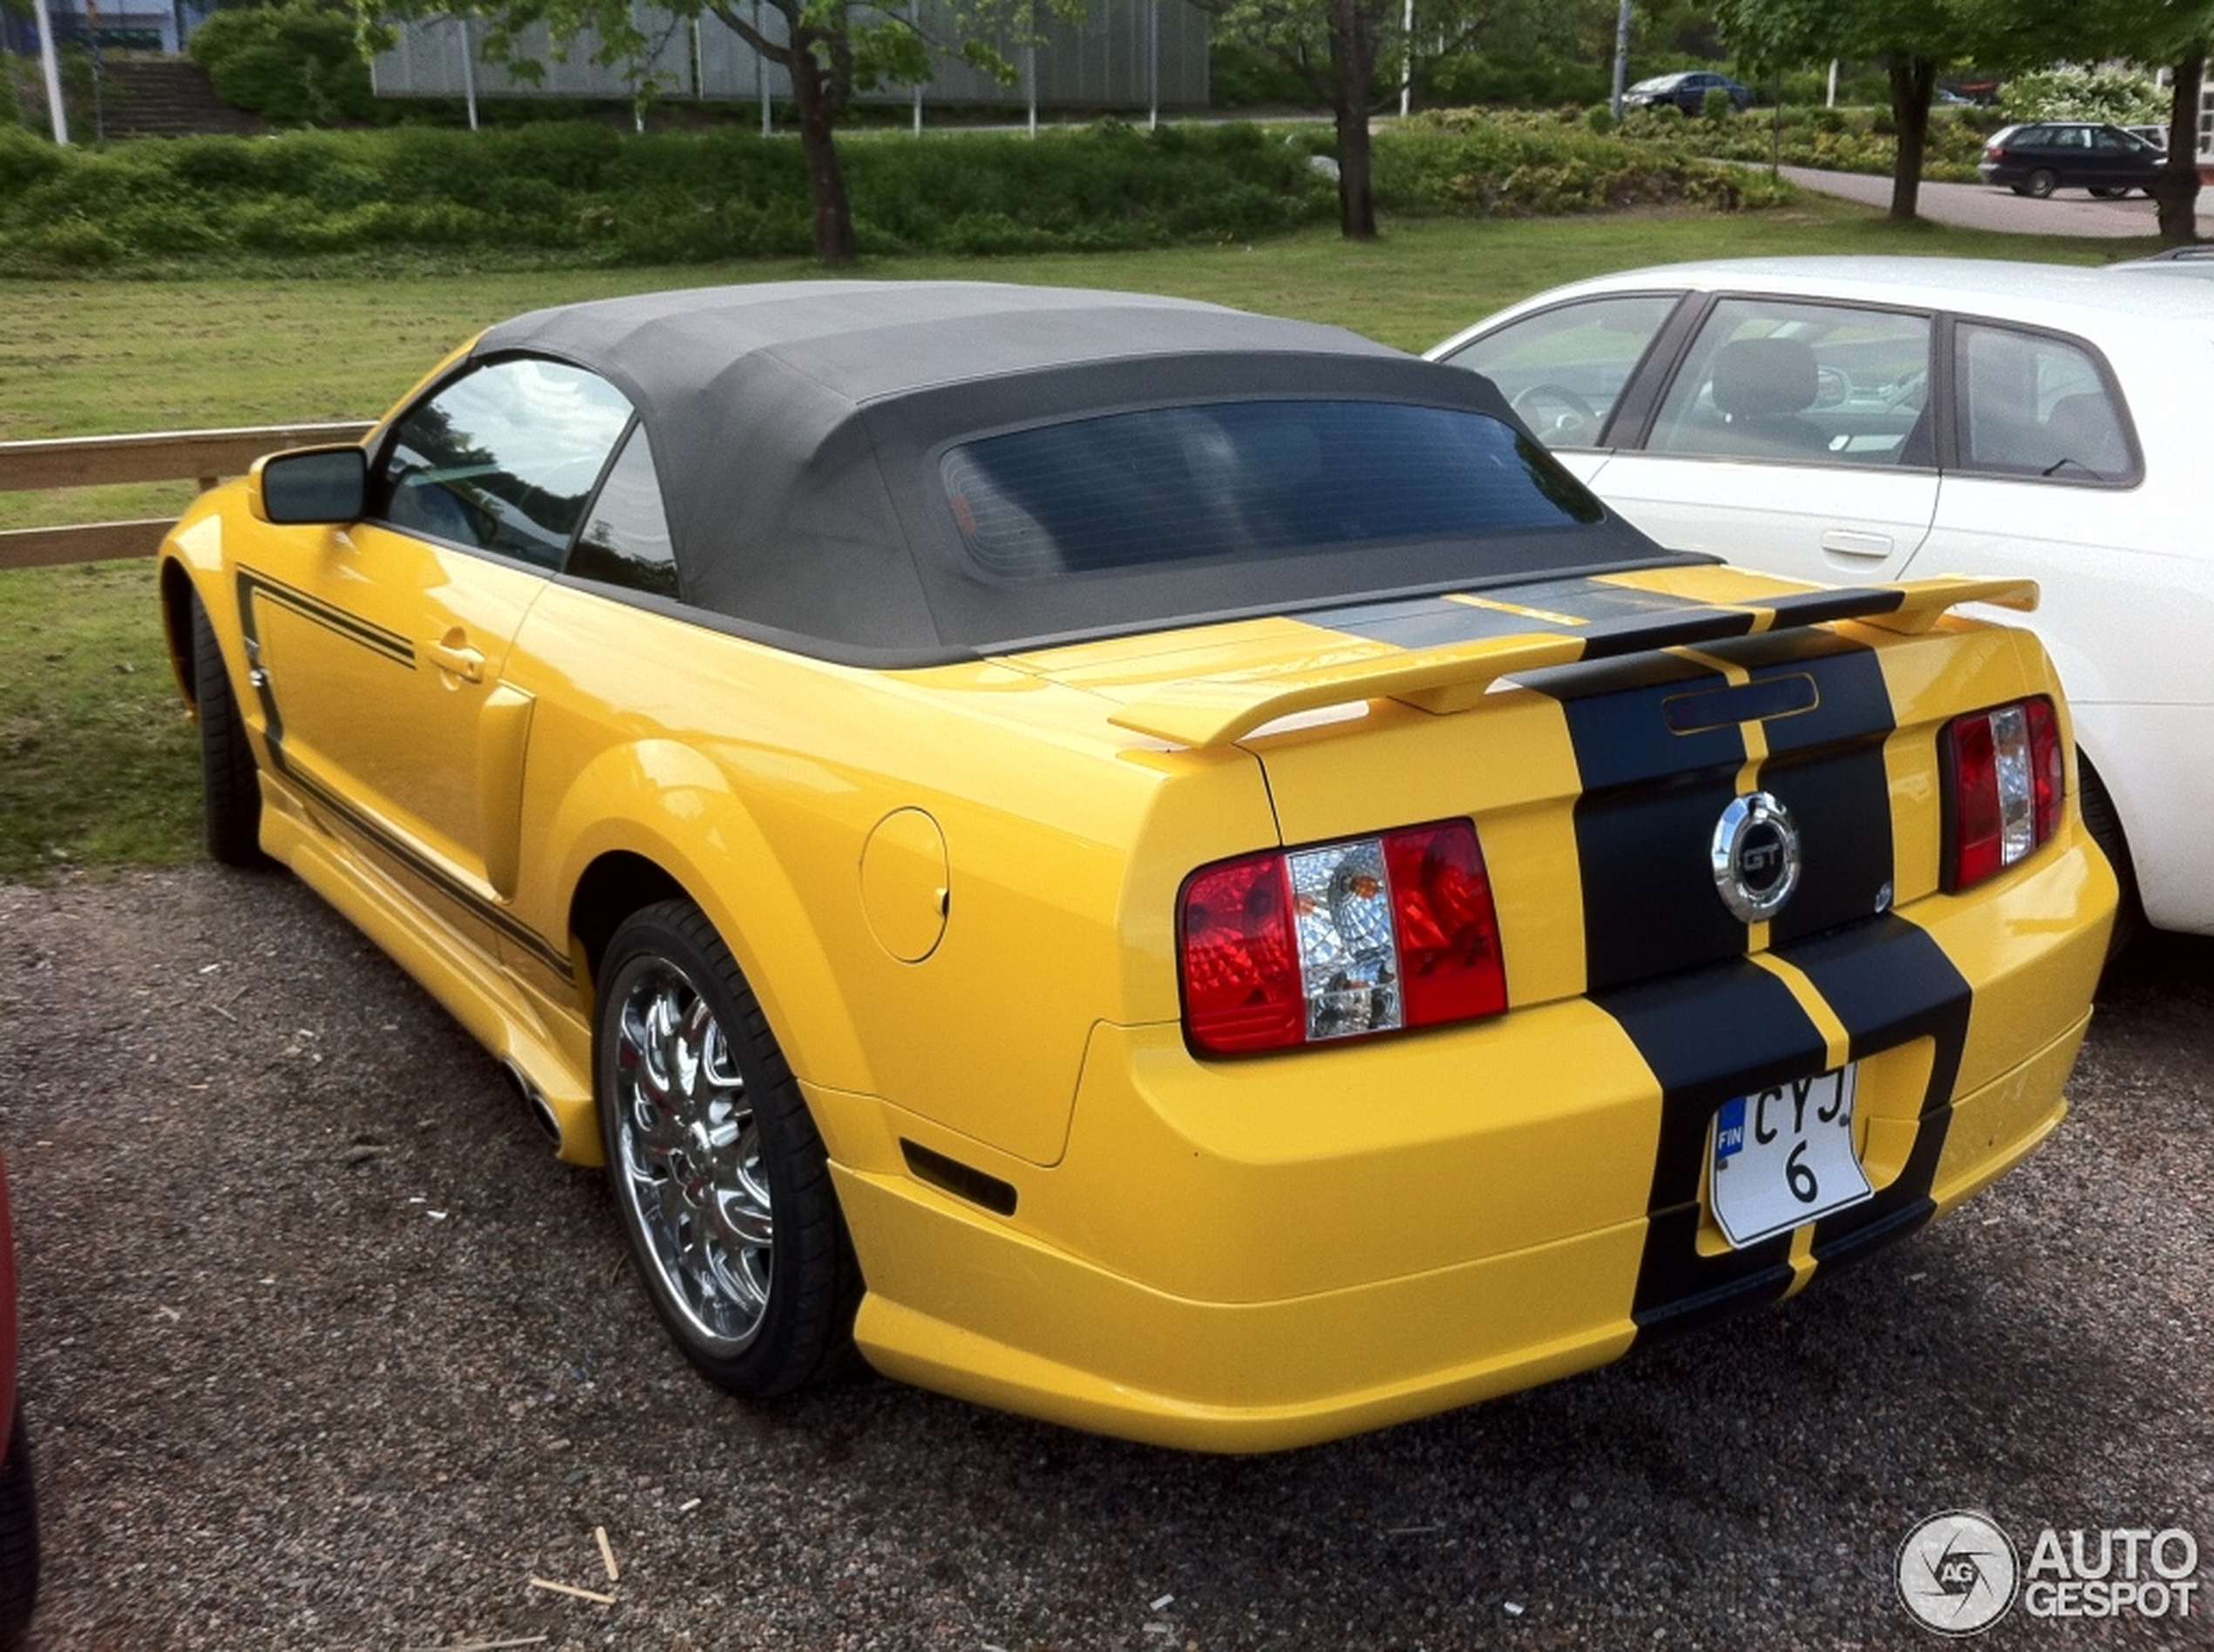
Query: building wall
[{"x": 1107, "y": 61}]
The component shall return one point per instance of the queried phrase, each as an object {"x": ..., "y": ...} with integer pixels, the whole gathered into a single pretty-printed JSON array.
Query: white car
[{"x": 1863, "y": 419}]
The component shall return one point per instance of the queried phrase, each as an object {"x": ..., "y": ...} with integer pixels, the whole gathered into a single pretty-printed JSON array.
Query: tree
[
  {"x": 1339, "y": 48},
  {"x": 2174, "y": 33},
  {"x": 2176, "y": 191},
  {"x": 1913, "y": 39},
  {"x": 831, "y": 49}
]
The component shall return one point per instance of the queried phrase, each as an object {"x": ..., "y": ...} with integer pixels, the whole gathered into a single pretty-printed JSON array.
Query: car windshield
[
  {"x": 1658, "y": 83},
  {"x": 1250, "y": 480}
]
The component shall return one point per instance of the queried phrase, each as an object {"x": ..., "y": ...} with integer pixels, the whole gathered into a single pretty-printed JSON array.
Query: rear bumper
[{"x": 1248, "y": 1256}]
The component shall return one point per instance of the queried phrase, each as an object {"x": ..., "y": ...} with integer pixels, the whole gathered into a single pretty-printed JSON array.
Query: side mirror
[{"x": 307, "y": 484}]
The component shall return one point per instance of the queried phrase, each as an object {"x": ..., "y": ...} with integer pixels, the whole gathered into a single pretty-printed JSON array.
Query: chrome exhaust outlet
[{"x": 540, "y": 1108}]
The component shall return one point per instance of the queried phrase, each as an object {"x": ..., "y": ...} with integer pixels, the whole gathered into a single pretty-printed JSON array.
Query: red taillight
[
  {"x": 1309, "y": 946},
  {"x": 2006, "y": 778},
  {"x": 1242, "y": 976}
]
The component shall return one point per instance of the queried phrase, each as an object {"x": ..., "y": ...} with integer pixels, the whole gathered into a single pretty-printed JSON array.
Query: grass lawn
[{"x": 97, "y": 764}]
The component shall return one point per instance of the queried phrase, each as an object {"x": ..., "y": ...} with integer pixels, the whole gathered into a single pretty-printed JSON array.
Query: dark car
[
  {"x": 2045, "y": 155},
  {"x": 1685, "y": 91}
]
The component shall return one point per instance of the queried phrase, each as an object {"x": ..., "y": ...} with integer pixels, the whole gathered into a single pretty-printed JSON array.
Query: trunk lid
[{"x": 1598, "y": 730}]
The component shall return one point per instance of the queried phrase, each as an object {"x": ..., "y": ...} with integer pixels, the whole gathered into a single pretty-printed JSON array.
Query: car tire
[
  {"x": 2040, "y": 183},
  {"x": 230, "y": 788},
  {"x": 2103, "y": 822},
  {"x": 2109, "y": 191},
  {"x": 719, "y": 1177},
  {"x": 18, "y": 1538}
]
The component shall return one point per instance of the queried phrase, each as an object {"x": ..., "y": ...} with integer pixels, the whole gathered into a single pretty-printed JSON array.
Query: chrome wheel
[
  {"x": 690, "y": 1162},
  {"x": 719, "y": 1173}
]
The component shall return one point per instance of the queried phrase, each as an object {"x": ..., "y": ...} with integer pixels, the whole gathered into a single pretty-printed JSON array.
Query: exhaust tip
[{"x": 541, "y": 1110}]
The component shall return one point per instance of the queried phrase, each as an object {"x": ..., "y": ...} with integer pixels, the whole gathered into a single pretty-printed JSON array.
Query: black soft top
[{"x": 797, "y": 429}]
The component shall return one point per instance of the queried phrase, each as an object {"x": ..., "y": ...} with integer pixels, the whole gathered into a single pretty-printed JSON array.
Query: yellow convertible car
[{"x": 1158, "y": 867}]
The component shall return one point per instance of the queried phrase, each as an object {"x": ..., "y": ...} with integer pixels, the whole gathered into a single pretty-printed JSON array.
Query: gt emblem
[{"x": 1756, "y": 857}]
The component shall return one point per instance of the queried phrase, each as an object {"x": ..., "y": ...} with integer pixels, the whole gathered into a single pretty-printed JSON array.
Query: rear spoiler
[{"x": 1205, "y": 711}]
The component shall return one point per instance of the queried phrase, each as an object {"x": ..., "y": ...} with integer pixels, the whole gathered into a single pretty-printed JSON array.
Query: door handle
[
  {"x": 456, "y": 658},
  {"x": 1847, "y": 542}
]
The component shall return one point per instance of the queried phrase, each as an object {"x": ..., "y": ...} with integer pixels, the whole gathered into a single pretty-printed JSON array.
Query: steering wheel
[{"x": 1556, "y": 415}]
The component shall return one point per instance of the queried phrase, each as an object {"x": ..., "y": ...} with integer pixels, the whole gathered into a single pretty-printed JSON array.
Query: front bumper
[{"x": 1252, "y": 1255}]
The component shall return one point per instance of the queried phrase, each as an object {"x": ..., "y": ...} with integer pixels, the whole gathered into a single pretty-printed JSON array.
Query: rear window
[{"x": 1247, "y": 480}]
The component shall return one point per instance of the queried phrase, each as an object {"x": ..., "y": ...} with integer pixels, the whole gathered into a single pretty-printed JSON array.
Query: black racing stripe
[
  {"x": 1650, "y": 905},
  {"x": 1617, "y": 720},
  {"x": 1594, "y": 601},
  {"x": 1853, "y": 701},
  {"x": 1840, "y": 801},
  {"x": 1890, "y": 982},
  {"x": 1707, "y": 1035},
  {"x": 1826, "y": 766},
  {"x": 1432, "y": 621},
  {"x": 1645, "y": 817},
  {"x": 1683, "y": 628},
  {"x": 1848, "y": 602},
  {"x": 1613, "y": 620}
]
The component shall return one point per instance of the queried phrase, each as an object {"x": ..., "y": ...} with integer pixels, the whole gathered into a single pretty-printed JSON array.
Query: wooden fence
[{"x": 204, "y": 456}]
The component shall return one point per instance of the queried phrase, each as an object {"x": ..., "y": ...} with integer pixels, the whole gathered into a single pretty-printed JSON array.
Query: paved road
[
  {"x": 323, "y": 1350},
  {"x": 1980, "y": 207}
]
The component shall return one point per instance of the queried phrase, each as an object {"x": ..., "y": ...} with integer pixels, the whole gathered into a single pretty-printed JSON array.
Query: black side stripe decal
[
  {"x": 401, "y": 652},
  {"x": 499, "y": 919},
  {"x": 352, "y": 627}
]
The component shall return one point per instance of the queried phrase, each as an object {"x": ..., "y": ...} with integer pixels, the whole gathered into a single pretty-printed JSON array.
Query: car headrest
[{"x": 1762, "y": 377}]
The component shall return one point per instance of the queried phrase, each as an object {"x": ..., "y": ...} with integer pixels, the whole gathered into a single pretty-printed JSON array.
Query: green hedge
[
  {"x": 1857, "y": 139},
  {"x": 1468, "y": 161},
  {"x": 579, "y": 193}
]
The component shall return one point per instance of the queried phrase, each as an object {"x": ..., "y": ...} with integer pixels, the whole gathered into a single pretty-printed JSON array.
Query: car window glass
[
  {"x": 626, "y": 535},
  {"x": 1563, "y": 369},
  {"x": 2032, "y": 405},
  {"x": 1248, "y": 480},
  {"x": 501, "y": 458},
  {"x": 1768, "y": 378}
]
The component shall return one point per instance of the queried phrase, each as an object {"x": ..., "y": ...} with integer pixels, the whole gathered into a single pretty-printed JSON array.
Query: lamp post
[
  {"x": 1621, "y": 55},
  {"x": 55, "y": 113}
]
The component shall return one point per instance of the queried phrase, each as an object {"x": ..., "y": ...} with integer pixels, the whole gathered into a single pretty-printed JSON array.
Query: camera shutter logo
[{"x": 1958, "y": 1573}]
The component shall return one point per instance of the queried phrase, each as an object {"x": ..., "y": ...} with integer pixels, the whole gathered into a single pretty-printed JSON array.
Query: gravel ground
[{"x": 323, "y": 1348}]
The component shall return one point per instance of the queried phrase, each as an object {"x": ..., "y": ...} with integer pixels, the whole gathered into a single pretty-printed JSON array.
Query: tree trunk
[
  {"x": 2176, "y": 190},
  {"x": 1913, "y": 87},
  {"x": 820, "y": 62},
  {"x": 1353, "y": 58},
  {"x": 816, "y": 105}
]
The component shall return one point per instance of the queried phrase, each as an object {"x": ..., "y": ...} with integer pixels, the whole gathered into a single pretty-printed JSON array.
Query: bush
[
  {"x": 1830, "y": 140},
  {"x": 24, "y": 160},
  {"x": 294, "y": 63},
  {"x": 2124, "y": 97},
  {"x": 1460, "y": 161}
]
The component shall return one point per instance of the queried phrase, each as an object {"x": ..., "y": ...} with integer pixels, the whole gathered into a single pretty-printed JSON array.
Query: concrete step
[{"x": 167, "y": 98}]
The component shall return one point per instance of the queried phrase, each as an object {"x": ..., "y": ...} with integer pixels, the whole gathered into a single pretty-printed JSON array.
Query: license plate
[{"x": 1785, "y": 1155}]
